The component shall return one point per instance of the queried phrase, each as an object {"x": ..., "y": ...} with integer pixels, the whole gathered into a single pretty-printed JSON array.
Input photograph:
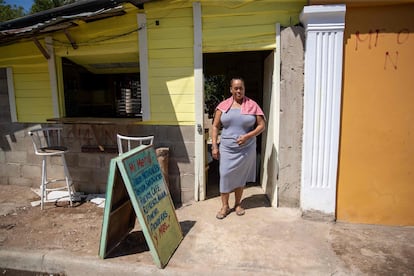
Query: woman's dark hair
[{"x": 236, "y": 78}]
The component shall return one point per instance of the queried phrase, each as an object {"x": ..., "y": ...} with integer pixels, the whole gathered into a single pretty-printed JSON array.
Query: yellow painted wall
[
  {"x": 376, "y": 165},
  {"x": 171, "y": 69},
  {"x": 230, "y": 26},
  {"x": 31, "y": 82},
  {"x": 111, "y": 40}
]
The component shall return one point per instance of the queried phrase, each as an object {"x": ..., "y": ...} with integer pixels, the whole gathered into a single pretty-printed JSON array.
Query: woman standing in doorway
[{"x": 242, "y": 120}]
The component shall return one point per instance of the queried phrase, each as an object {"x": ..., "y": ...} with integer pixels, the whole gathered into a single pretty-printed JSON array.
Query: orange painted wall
[{"x": 376, "y": 162}]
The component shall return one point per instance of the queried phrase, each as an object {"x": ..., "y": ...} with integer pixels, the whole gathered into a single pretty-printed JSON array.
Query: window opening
[{"x": 100, "y": 95}]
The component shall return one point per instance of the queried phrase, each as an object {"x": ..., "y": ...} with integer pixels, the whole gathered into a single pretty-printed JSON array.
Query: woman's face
[{"x": 237, "y": 89}]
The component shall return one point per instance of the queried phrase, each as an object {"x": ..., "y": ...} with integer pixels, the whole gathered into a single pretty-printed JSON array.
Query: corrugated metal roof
[{"x": 62, "y": 18}]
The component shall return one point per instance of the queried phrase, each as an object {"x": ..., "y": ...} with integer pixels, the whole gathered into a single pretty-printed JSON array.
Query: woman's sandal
[
  {"x": 222, "y": 214},
  {"x": 239, "y": 210}
]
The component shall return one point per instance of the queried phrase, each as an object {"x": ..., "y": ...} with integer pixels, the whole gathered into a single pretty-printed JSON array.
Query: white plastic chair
[
  {"x": 48, "y": 142},
  {"x": 126, "y": 143}
]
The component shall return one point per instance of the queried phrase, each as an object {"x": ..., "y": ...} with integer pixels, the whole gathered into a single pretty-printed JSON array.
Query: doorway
[{"x": 218, "y": 69}]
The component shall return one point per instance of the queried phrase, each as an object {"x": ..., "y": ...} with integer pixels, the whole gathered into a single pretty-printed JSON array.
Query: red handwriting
[
  {"x": 161, "y": 231},
  {"x": 372, "y": 38},
  {"x": 163, "y": 228},
  {"x": 131, "y": 167},
  {"x": 391, "y": 59},
  {"x": 141, "y": 162},
  {"x": 402, "y": 36}
]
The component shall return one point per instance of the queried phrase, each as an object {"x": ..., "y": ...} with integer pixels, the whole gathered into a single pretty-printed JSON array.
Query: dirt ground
[
  {"x": 363, "y": 249},
  {"x": 26, "y": 227}
]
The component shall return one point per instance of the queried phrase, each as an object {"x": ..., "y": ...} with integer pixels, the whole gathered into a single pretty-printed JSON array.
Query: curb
[{"x": 58, "y": 261}]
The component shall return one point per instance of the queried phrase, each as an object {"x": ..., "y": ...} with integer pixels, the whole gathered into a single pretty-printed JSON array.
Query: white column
[
  {"x": 12, "y": 97},
  {"x": 322, "y": 104},
  {"x": 51, "y": 62},
  {"x": 200, "y": 185},
  {"x": 143, "y": 66}
]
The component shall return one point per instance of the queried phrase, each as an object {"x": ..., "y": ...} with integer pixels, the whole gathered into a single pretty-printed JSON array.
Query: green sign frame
[{"x": 136, "y": 188}]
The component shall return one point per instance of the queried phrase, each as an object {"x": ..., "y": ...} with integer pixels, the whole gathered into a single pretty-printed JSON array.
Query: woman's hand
[
  {"x": 242, "y": 140},
  {"x": 216, "y": 153},
  {"x": 214, "y": 135}
]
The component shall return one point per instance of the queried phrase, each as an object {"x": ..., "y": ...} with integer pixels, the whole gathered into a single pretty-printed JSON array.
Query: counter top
[{"x": 95, "y": 120}]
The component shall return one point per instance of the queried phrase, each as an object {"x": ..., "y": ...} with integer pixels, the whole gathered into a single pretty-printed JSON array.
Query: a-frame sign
[{"x": 136, "y": 189}]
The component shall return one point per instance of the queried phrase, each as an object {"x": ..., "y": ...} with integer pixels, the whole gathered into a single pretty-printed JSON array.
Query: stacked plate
[{"x": 129, "y": 103}]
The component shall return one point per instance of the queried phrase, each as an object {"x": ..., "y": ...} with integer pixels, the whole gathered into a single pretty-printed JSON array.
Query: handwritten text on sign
[{"x": 148, "y": 186}]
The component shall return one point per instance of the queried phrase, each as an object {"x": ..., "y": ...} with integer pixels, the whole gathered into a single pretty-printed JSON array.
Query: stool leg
[
  {"x": 43, "y": 183},
  {"x": 68, "y": 179}
]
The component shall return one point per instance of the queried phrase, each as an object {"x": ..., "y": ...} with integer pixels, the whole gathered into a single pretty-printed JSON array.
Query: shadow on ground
[{"x": 135, "y": 241}]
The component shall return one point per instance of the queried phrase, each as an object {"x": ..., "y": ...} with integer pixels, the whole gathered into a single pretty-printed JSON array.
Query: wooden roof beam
[
  {"x": 40, "y": 47},
  {"x": 70, "y": 38}
]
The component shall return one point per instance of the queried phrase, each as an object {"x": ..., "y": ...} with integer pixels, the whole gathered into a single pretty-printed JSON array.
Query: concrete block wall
[
  {"x": 291, "y": 115},
  {"x": 89, "y": 170}
]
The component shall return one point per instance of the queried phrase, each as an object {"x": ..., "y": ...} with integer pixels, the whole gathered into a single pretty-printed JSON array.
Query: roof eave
[{"x": 70, "y": 9}]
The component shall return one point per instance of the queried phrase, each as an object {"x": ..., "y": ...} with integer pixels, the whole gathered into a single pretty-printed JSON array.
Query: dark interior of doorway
[{"x": 219, "y": 69}]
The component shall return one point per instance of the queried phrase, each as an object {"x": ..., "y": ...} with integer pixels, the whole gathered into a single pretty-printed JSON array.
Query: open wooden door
[{"x": 270, "y": 139}]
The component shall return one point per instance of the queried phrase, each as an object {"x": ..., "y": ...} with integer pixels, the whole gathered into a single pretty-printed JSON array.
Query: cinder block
[
  {"x": 33, "y": 159},
  {"x": 187, "y": 187},
  {"x": 13, "y": 170},
  {"x": 28, "y": 182},
  {"x": 22, "y": 133},
  {"x": 181, "y": 166},
  {"x": 89, "y": 160},
  {"x": 55, "y": 172},
  {"x": 87, "y": 187},
  {"x": 72, "y": 159},
  {"x": 3, "y": 169},
  {"x": 81, "y": 174},
  {"x": 189, "y": 149},
  {"x": 74, "y": 146},
  {"x": 100, "y": 176},
  {"x": 107, "y": 159},
  {"x": 23, "y": 144},
  {"x": 4, "y": 180},
  {"x": 55, "y": 160},
  {"x": 2, "y": 156},
  {"x": 29, "y": 171},
  {"x": 187, "y": 181},
  {"x": 187, "y": 196},
  {"x": 16, "y": 157},
  {"x": 187, "y": 133},
  {"x": 175, "y": 188}
]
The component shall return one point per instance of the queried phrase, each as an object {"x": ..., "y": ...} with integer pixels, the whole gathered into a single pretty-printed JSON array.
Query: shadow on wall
[
  {"x": 8, "y": 132},
  {"x": 7, "y": 128},
  {"x": 298, "y": 32},
  {"x": 271, "y": 179}
]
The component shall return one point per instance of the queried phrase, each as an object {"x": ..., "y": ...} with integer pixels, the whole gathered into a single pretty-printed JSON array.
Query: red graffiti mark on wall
[
  {"x": 391, "y": 59},
  {"x": 87, "y": 135},
  {"x": 371, "y": 37},
  {"x": 402, "y": 36}
]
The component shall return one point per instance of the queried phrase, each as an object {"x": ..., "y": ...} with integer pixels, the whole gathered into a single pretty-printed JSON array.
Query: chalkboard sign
[{"x": 136, "y": 183}]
